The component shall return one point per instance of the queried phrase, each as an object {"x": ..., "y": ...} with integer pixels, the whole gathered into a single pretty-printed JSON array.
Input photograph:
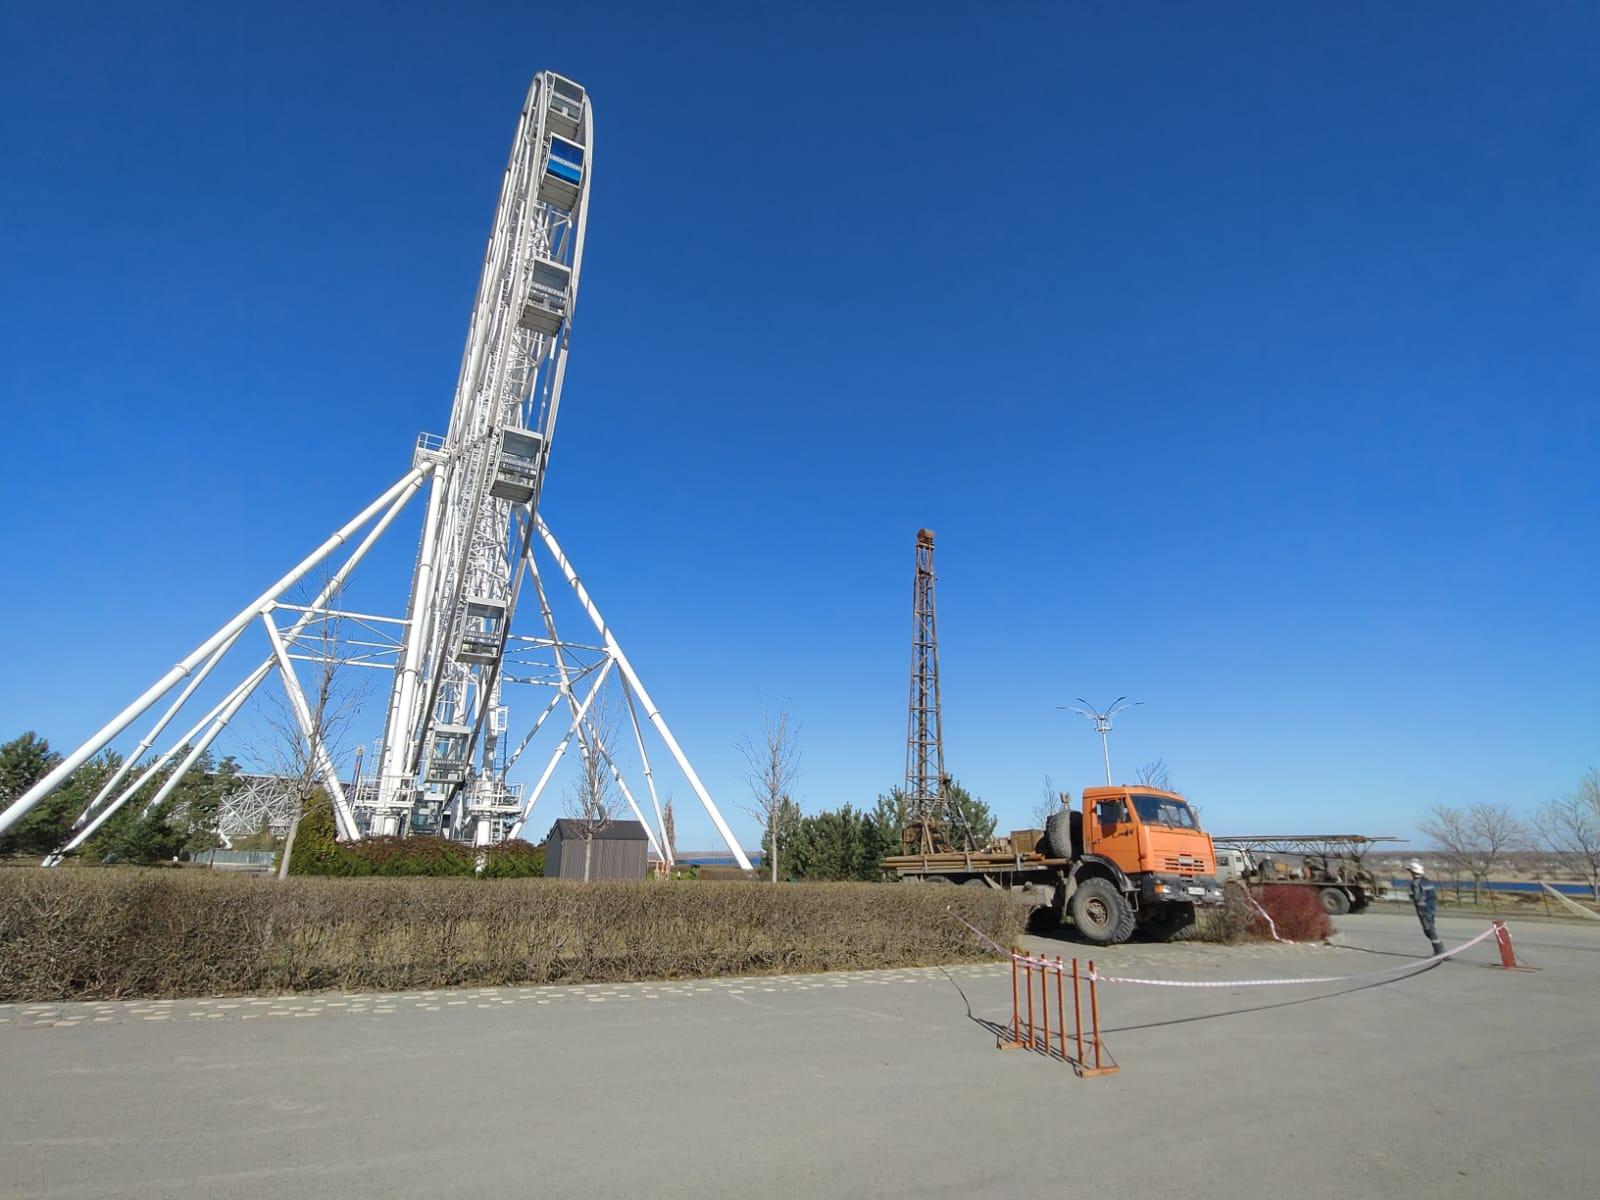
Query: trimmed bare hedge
[
  {"x": 1296, "y": 911},
  {"x": 93, "y": 934}
]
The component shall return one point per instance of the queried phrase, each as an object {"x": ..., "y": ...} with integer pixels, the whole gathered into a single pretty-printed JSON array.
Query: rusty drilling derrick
[{"x": 933, "y": 822}]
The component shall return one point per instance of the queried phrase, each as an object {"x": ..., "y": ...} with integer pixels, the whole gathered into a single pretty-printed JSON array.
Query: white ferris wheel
[{"x": 449, "y": 748}]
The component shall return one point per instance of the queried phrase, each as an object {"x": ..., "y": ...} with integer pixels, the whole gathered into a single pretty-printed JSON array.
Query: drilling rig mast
[{"x": 931, "y": 815}]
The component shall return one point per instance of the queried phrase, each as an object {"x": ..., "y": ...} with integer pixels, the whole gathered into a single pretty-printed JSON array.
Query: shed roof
[{"x": 622, "y": 831}]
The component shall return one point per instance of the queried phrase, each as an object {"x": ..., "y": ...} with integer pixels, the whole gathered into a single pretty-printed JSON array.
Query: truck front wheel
[
  {"x": 1102, "y": 913},
  {"x": 1335, "y": 901},
  {"x": 1174, "y": 923}
]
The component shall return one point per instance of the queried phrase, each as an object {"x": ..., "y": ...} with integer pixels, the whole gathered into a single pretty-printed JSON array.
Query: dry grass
[{"x": 134, "y": 933}]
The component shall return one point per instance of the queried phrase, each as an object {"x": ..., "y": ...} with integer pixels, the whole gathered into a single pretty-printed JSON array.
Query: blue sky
[{"x": 1242, "y": 358}]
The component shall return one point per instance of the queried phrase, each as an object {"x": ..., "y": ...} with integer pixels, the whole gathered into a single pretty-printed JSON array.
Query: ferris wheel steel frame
[{"x": 444, "y": 758}]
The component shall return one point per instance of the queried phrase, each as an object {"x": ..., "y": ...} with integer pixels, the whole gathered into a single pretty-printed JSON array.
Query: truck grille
[{"x": 1185, "y": 864}]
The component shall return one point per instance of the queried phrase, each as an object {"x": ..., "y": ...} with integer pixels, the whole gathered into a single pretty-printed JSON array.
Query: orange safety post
[
  {"x": 1061, "y": 1008},
  {"x": 1099, "y": 1068},
  {"x": 1015, "y": 1007},
  {"x": 1077, "y": 1010},
  {"x": 1094, "y": 1012},
  {"x": 1044, "y": 1001},
  {"x": 1502, "y": 937},
  {"x": 1029, "y": 979}
]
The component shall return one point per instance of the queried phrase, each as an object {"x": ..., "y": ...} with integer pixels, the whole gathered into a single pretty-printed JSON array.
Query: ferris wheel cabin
[
  {"x": 564, "y": 108},
  {"x": 562, "y": 181},
  {"x": 448, "y": 762},
  {"x": 481, "y": 631},
  {"x": 549, "y": 297},
  {"x": 516, "y": 477}
]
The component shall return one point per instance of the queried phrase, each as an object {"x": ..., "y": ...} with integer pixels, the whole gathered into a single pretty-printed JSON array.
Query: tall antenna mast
[
  {"x": 1102, "y": 723},
  {"x": 927, "y": 790}
]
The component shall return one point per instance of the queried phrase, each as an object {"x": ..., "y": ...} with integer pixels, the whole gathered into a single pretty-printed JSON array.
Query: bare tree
[
  {"x": 669, "y": 833},
  {"x": 592, "y": 802},
  {"x": 773, "y": 765},
  {"x": 1570, "y": 827},
  {"x": 1474, "y": 840},
  {"x": 1155, "y": 775},
  {"x": 332, "y": 704},
  {"x": 1050, "y": 803}
]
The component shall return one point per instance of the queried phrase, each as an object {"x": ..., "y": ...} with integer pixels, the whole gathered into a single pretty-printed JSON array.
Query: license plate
[{"x": 1194, "y": 891}]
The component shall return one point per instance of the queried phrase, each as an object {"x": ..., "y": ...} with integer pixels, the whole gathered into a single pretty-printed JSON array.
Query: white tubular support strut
[
  {"x": 224, "y": 709},
  {"x": 563, "y": 675},
  {"x": 649, "y": 776},
  {"x": 651, "y": 711},
  {"x": 391, "y": 768},
  {"x": 550, "y": 767},
  {"x": 219, "y": 716},
  {"x": 21, "y": 806},
  {"x": 149, "y": 739},
  {"x": 314, "y": 745},
  {"x": 204, "y": 744},
  {"x": 543, "y": 717}
]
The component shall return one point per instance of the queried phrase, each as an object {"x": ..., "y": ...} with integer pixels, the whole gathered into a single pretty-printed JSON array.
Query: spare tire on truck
[
  {"x": 1063, "y": 833},
  {"x": 1102, "y": 913}
]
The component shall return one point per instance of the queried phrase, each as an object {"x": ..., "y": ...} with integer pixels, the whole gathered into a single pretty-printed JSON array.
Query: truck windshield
[{"x": 1163, "y": 810}]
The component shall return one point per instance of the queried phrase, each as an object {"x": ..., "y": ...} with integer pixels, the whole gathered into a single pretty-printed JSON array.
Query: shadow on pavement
[{"x": 1001, "y": 1031}]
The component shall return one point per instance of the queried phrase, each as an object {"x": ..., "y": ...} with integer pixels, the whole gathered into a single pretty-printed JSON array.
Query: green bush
[
  {"x": 91, "y": 934},
  {"x": 515, "y": 859},
  {"x": 394, "y": 856},
  {"x": 318, "y": 852},
  {"x": 317, "y": 849}
]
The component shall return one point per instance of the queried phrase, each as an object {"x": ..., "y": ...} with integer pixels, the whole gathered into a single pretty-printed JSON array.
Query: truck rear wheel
[
  {"x": 1335, "y": 901},
  {"x": 1102, "y": 913}
]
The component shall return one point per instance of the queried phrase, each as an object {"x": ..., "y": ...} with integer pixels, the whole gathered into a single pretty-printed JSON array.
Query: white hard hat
[{"x": 1415, "y": 866}]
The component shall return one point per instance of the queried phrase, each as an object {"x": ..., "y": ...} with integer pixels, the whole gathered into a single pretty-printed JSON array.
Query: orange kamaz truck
[{"x": 1130, "y": 858}]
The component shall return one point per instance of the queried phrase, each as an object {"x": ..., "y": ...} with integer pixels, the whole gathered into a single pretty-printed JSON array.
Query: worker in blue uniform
[{"x": 1425, "y": 899}]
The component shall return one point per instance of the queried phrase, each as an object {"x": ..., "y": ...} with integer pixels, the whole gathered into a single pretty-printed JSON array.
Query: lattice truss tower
[
  {"x": 448, "y": 748},
  {"x": 933, "y": 821}
]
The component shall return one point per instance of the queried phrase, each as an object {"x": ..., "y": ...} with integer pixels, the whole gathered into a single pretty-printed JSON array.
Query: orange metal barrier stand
[{"x": 1032, "y": 1031}]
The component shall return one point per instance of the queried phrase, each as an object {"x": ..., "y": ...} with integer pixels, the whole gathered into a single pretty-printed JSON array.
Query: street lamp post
[{"x": 1102, "y": 723}]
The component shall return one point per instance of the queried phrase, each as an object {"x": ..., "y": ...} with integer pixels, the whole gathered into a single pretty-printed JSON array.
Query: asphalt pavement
[{"x": 1461, "y": 1080}]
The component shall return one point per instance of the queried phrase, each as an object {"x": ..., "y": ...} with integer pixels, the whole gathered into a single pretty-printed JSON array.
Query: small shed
[{"x": 619, "y": 851}]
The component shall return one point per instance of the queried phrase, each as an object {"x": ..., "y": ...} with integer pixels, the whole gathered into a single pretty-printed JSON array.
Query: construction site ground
[{"x": 1463, "y": 1080}]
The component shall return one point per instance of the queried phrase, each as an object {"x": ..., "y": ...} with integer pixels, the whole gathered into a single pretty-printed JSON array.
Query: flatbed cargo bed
[{"x": 977, "y": 861}]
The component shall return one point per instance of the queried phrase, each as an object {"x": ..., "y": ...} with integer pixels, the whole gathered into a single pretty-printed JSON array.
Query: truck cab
[{"x": 1143, "y": 862}]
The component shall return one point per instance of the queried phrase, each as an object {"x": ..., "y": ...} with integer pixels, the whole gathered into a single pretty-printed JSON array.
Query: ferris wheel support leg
[
  {"x": 314, "y": 743},
  {"x": 523, "y": 745},
  {"x": 204, "y": 744},
  {"x": 651, "y": 711},
  {"x": 21, "y": 806},
  {"x": 401, "y": 718},
  {"x": 562, "y": 673},
  {"x": 649, "y": 776},
  {"x": 149, "y": 739},
  {"x": 224, "y": 709},
  {"x": 550, "y": 767}
]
